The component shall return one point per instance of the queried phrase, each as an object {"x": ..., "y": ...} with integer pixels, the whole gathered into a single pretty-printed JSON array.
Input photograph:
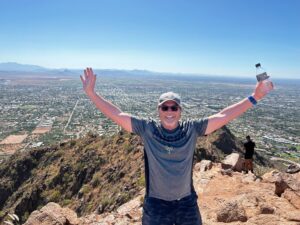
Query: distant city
[{"x": 38, "y": 110}]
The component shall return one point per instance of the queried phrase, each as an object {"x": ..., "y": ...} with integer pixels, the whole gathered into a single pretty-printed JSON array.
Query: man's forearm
[
  {"x": 235, "y": 110},
  {"x": 226, "y": 115},
  {"x": 106, "y": 107}
]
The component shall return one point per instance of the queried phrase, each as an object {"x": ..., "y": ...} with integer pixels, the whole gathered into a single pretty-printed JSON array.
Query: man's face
[{"x": 169, "y": 114}]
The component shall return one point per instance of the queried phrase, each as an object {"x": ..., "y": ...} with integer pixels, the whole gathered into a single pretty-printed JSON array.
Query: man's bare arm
[
  {"x": 231, "y": 112},
  {"x": 106, "y": 107}
]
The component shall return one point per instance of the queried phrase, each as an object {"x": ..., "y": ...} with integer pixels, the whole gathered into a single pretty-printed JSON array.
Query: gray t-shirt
[{"x": 169, "y": 156}]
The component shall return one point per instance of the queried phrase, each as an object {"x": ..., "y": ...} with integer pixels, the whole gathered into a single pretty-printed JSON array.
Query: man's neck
[{"x": 172, "y": 128}]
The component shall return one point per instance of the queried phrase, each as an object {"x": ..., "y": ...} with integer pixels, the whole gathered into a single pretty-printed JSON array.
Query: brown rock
[
  {"x": 285, "y": 180},
  {"x": 293, "y": 168},
  {"x": 231, "y": 211},
  {"x": 131, "y": 209},
  {"x": 264, "y": 219},
  {"x": 227, "y": 172},
  {"x": 271, "y": 177},
  {"x": 233, "y": 161},
  {"x": 292, "y": 197},
  {"x": 248, "y": 177},
  {"x": 266, "y": 209},
  {"x": 52, "y": 214},
  {"x": 203, "y": 165},
  {"x": 293, "y": 216}
]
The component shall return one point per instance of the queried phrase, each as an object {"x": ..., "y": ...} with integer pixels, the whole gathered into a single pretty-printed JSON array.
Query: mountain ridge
[{"x": 91, "y": 174}]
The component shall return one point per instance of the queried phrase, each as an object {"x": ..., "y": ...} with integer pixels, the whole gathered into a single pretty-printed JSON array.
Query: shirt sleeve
[
  {"x": 200, "y": 126},
  {"x": 138, "y": 126}
]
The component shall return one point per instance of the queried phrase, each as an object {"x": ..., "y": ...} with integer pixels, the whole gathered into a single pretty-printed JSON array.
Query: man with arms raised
[{"x": 168, "y": 151}]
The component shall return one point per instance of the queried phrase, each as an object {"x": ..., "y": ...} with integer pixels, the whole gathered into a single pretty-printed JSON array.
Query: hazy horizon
[
  {"x": 195, "y": 37},
  {"x": 166, "y": 73}
]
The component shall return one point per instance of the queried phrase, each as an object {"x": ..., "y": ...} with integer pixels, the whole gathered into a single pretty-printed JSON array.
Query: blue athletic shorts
[{"x": 178, "y": 212}]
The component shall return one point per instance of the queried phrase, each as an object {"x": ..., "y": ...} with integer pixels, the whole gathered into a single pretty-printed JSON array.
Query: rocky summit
[
  {"x": 100, "y": 180},
  {"x": 234, "y": 198}
]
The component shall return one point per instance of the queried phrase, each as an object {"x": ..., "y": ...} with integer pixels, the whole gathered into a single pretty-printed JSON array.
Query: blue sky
[{"x": 224, "y": 37}]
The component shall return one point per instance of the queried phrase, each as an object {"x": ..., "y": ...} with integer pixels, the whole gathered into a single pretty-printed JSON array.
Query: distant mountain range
[
  {"x": 23, "y": 70},
  {"x": 12, "y": 66},
  {"x": 16, "y": 68}
]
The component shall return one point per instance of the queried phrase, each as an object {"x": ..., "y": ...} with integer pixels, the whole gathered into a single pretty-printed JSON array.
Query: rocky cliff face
[
  {"x": 92, "y": 174},
  {"x": 89, "y": 175}
]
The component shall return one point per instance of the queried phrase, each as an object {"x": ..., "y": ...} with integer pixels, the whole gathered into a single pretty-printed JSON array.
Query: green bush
[
  {"x": 54, "y": 196},
  {"x": 86, "y": 189},
  {"x": 90, "y": 206},
  {"x": 67, "y": 178},
  {"x": 141, "y": 181},
  {"x": 66, "y": 202},
  {"x": 261, "y": 170},
  {"x": 2, "y": 214},
  {"x": 124, "y": 197},
  {"x": 96, "y": 181},
  {"x": 128, "y": 147},
  {"x": 106, "y": 202}
]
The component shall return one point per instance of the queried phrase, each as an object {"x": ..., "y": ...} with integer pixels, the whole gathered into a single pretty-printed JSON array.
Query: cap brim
[{"x": 159, "y": 104}]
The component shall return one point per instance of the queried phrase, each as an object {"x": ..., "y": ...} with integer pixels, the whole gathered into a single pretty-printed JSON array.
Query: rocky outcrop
[
  {"x": 91, "y": 174},
  {"x": 286, "y": 185},
  {"x": 53, "y": 214},
  {"x": 222, "y": 199},
  {"x": 94, "y": 176}
]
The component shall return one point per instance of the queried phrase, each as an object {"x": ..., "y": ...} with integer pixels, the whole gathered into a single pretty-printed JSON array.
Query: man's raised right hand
[{"x": 88, "y": 81}]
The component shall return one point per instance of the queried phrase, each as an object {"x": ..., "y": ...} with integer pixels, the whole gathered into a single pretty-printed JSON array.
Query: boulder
[
  {"x": 285, "y": 180},
  {"x": 233, "y": 161},
  {"x": 292, "y": 197},
  {"x": 293, "y": 168},
  {"x": 231, "y": 211},
  {"x": 52, "y": 214},
  {"x": 131, "y": 209}
]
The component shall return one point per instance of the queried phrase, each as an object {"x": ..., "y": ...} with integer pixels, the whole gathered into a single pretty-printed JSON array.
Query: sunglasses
[{"x": 173, "y": 108}]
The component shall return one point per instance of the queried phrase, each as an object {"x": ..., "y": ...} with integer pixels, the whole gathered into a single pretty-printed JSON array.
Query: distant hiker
[
  {"x": 169, "y": 147},
  {"x": 249, "y": 151}
]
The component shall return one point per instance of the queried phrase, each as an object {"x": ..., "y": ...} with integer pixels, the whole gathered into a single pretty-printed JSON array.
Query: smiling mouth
[{"x": 169, "y": 118}]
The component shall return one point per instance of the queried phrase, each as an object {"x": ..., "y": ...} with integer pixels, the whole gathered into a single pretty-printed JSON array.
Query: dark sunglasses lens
[
  {"x": 164, "y": 108},
  {"x": 174, "y": 108}
]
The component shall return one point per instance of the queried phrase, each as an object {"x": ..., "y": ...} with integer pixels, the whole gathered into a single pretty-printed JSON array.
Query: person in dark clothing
[{"x": 249, "y": 151}]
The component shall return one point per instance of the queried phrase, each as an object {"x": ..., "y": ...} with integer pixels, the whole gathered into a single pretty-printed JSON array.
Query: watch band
[{"x": 252, "y": 100}]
